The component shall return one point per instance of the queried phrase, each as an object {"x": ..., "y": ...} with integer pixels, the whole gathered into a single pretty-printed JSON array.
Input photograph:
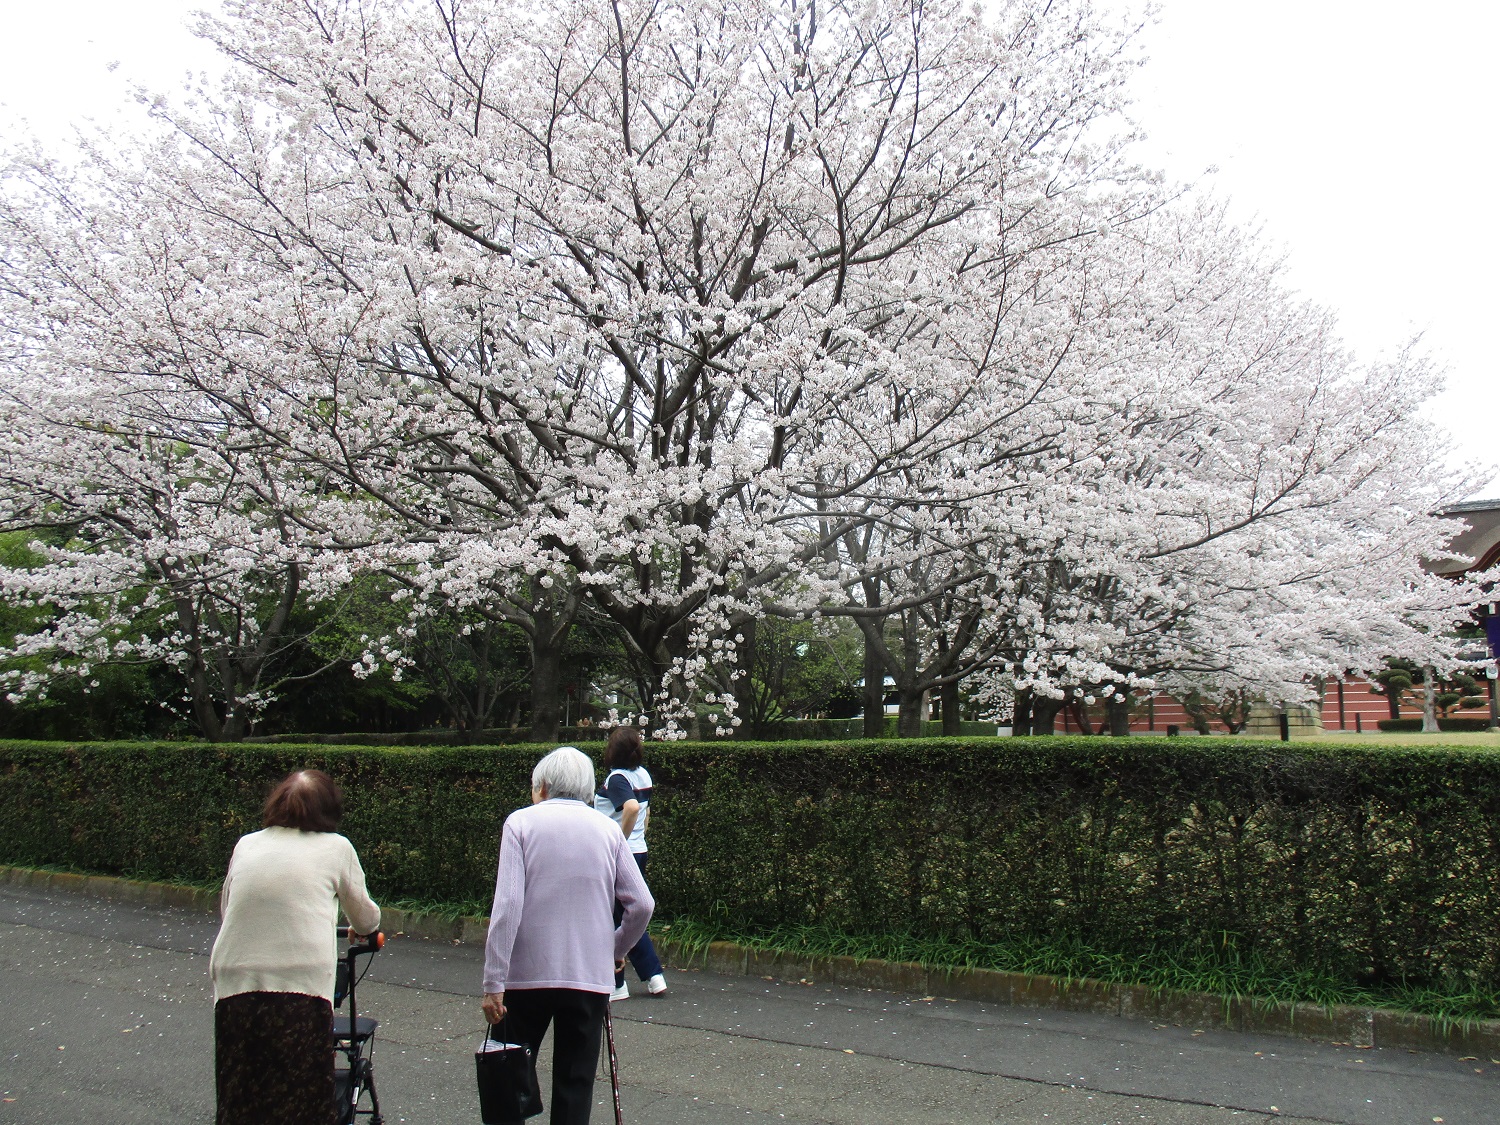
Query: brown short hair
[
  {"x": 623, "y": 751},
  {"x": 305, "y": 799}
]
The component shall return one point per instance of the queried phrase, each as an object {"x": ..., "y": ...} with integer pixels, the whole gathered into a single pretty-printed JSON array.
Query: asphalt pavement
[{"x": 106, "y": 1016}]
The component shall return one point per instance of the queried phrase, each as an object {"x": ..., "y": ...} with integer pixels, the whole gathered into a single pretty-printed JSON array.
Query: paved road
[{"x": 106, "y": 1017}]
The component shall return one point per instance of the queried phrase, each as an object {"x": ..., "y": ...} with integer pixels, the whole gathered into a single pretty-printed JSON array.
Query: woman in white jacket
[
  {"x": 274, "y": 960},
  {"x": 625, "y": 797}
]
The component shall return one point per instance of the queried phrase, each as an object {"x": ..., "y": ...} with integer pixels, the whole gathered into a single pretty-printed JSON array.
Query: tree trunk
[
  {"x": 644, "y": 695},
  {"x": 236, "y": 726},
  {"x": 1080, "y": 712},
  {"x": 874, "y": 693},
  {"x": 204, "y": 711},
  {"x": 1119, "y": 717},
  {"x": 747, "y": 706},
  {"x": 546, "y": 683},
  {"x": 1044, "y": 714},
  {"x": 951, "y": 716},
  {"x": 200, "y": 691},
  {"x": 910, "y": 721},
  {"x": 1429, "y": 702},
  {"x": 1020, "y": 723}
]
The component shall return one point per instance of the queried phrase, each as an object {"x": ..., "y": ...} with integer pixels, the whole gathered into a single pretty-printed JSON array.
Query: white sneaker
[
  {"x": 622, "y": 993},
  {"x": 656, "y": 985}
]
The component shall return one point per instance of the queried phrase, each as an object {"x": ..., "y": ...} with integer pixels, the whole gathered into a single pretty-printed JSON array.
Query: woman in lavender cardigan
[{"x": 553, "y": 946}]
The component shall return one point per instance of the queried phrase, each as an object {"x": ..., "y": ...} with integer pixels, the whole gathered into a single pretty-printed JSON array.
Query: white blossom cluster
[{"x": 688, "y": 314}]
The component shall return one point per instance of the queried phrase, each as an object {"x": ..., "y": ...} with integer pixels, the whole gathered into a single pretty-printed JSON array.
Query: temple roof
[{"x": 1482, "y": 539}]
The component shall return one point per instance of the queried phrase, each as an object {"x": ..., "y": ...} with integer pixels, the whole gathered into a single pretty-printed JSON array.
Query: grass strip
[
  {"x": 447, "y": 911},
  {"x": 1225, "y": 971}
]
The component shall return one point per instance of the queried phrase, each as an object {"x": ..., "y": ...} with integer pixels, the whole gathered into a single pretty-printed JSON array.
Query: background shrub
[
  {"x": 777, "y": 731},
  {"x": 1368, "y": 865}
]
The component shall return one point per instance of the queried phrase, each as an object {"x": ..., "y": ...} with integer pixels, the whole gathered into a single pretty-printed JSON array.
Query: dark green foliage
[
  {"x": 798, "y": 668},
  {"x": 118, "y": 701},
  {"x": 788, "y": 730},
  {"x": 114, "y": 701},
  {"x": 435, "y": 736},
  {"x": 841, "y": 729},
  {"x": 1460, "y": 690},
  {"x": 1395, "y": 679},
  {"x": 326, "y": 696},
  {"x": 1370, "y": 866}
]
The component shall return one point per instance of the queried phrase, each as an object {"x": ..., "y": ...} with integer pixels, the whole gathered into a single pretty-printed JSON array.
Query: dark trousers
[
  {"x": 642, "y": 955},
  {"x": 577, "y": 1020}
]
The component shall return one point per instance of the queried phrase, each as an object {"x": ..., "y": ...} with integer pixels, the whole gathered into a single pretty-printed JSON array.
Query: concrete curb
[
  {"x": 113, "y": 888},
  {"x": 1340, "y": 1024}
]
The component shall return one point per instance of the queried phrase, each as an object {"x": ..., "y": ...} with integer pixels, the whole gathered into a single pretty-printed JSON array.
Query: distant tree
[
  {"x": 1395, "y": 680},
  {"x": 1461, "y": 691},
  {"x": 798, "y": 669},
  {"x": 1233, "y": 709},
  {"x": 1197, "y": 706}
]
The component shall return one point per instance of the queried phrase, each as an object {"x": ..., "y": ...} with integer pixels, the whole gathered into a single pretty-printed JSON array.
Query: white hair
[{"x": 566, "y": 772}]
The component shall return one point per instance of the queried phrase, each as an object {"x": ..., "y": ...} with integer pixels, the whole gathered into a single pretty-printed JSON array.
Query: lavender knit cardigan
[{"x": 562, "y": 866}]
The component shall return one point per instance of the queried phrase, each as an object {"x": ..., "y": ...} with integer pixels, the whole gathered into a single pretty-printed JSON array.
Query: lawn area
[{"x": 1483, "y": 738}]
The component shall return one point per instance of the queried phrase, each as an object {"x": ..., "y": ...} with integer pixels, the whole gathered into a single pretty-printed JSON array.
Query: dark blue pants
[{"x": 642, "y": 955}]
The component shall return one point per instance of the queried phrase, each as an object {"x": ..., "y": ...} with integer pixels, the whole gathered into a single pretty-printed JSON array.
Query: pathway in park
[{"x": 106, "y": 1017}]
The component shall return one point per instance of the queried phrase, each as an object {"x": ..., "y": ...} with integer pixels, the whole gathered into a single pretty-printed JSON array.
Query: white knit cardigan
[{"x": 280, "y": 906}]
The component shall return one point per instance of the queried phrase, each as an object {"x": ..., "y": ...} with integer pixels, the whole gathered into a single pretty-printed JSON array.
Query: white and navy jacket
[{"x": 621, "y": 786}]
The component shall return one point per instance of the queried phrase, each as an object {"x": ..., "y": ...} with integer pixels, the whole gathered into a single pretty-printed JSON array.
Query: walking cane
[{"x": 614, "y": 1063}]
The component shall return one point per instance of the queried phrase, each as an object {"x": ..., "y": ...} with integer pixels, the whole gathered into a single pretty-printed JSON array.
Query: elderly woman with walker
[
  {"x": 274, "y": 960},
  {"x": 553, "y": 944}
]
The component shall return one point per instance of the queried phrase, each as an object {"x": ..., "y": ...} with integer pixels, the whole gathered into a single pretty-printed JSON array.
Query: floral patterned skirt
[{"x": 273, "y": 1055}]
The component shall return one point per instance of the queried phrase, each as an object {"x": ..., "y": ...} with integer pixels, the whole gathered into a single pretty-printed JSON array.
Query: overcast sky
[
  {"x": 1362, "y": 136},
  {"x": 1359, "y": 134}
]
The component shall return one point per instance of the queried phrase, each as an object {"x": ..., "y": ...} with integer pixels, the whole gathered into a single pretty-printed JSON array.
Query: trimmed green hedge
[
  {"x": 1365, "y": 864},
  {"x": 425, "y": 821}
]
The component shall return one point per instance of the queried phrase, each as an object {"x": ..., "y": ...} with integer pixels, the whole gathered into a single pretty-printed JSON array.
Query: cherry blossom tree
[
  {"x": 167, "y": 532},
  {"x": 1271, "y": 499},
  {"x": 689, "y": 314},
  {"x": 616, "y": 284}
]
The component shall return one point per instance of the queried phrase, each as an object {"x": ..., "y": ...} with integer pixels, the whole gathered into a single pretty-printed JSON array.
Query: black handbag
[{"x": 508, "y": 1089}]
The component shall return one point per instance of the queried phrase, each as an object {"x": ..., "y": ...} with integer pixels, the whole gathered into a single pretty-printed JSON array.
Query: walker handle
[
  {"x": 373, "y": 943},
  {"x": 375, "y": 940}
]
